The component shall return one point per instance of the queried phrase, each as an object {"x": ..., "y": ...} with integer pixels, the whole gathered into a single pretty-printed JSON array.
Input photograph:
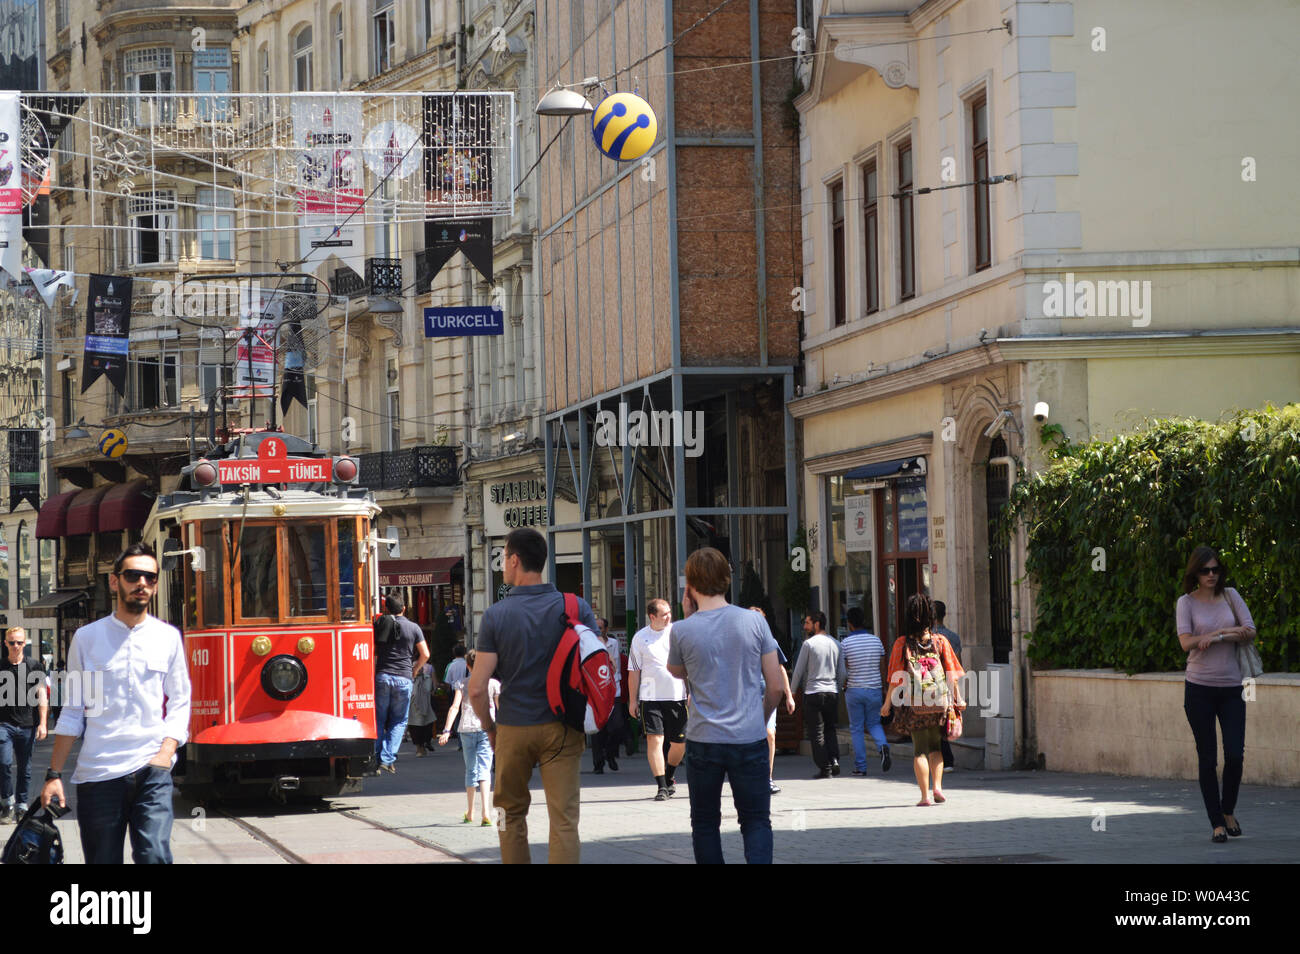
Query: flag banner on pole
[
  {"x": 444, "y": 239},
  {"x": 48, "y": 282},
  {"x": 255, "y": 353},
  {"x": 108, "y": 328},
  {"x": 11, "y": 167}
]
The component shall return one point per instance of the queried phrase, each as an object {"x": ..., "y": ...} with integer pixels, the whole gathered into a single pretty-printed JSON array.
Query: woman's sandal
[
  {"x": 1219, "y": 837},
  {"x": 923, "y": 802},
  {"x": 938, "y": 797},
  {"x": 1233, "y": 830}
]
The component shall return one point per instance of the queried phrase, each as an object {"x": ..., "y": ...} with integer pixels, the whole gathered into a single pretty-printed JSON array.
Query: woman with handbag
[
  {"x": 1217, "y": 632},
  {"x": 924, "y": 697}
]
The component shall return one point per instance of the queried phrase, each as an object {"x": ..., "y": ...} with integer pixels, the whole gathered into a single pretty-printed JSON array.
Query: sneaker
[
  {"x": 885, "y": 760},
  {"x": 835, "y": 769},
  {"x": 773, "y": 787},
  {"x": 390, "y": 768},
  {"x": 6, "y": 815},
  {"x": 672, "y": 789},
  {"x": 662, "y": 795},
  {"x": 859, "y": 773},
  {"x": 824, "y": 773}
]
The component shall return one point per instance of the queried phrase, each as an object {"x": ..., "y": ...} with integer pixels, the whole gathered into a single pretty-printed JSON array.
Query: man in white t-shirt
[{"x": 659, "y": 695}]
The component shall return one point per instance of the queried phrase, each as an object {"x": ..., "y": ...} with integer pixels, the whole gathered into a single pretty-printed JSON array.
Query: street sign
[{"x": 457, "y": 322}]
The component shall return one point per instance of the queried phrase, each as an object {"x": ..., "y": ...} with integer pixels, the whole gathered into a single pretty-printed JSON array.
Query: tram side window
[
  {"x": 308, "y": 570},
  {"x": 214, "y": 577},
  {"x": 348, "y": 568},
  {"x": 258, "y": 579}
]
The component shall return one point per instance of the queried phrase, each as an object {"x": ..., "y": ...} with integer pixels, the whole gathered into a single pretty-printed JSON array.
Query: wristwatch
[{"x": 51, "y": 775}]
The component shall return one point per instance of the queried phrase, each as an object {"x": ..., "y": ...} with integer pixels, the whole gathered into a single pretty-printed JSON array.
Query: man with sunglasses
[
  {"x": 24, "y": 705},
  {"x": 134, "y": 712}
]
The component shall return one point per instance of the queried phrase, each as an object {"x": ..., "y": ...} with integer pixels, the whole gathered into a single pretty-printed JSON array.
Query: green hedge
[{"x": 1148, "y": 499}]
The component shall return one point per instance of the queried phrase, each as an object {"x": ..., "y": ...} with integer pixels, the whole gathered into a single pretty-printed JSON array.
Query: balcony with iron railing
[{"x": 425, "y": 466}]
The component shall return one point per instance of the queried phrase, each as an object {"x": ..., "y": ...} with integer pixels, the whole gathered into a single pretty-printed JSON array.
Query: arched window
[
  {"x": 48, "y": 558},
  {"x": 336, "y": 46},
  {"x": 24, "y": 563},
  {"x": 302, "y": 72},
  {"x": 4, "y": 569}
]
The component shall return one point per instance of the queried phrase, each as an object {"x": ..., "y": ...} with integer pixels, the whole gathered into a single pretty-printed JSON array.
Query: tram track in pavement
[{"x": 298, "y": 843}]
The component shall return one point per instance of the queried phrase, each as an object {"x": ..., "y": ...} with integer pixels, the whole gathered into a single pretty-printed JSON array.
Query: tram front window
[
  {"x": 308, "y": 570},
  {"x": 347, "y": 569},
  {"x": 214, "y": 577},
  {"x": 259, "y": 584}
]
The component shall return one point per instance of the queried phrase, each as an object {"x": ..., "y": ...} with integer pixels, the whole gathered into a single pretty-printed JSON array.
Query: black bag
[{"x": 36, "y": 840}]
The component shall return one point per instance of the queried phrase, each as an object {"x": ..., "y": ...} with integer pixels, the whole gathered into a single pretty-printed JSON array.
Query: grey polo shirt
[{"x": 523, "y": 630}]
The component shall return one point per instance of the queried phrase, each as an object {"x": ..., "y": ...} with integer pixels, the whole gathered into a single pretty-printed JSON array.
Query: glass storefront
[{"x": 877, "y": 549}]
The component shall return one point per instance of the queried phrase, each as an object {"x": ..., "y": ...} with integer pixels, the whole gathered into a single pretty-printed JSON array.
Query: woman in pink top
[{"x": 1212, "y": 620}]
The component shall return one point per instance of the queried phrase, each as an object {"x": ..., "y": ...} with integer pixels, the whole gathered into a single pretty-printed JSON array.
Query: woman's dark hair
[
  {"x": 918, "y": 616},
  {"x": 1201, "y": 556}
]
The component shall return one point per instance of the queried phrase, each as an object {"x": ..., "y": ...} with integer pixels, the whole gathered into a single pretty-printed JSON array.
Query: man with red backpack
[{"x": 517, "y": 644}]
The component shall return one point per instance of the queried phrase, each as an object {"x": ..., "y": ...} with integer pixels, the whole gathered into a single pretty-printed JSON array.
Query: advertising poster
[{"x": 108, "y": 327}]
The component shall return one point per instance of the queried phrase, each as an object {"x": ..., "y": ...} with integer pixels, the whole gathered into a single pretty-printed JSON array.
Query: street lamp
[
  {"x": 78, "y": 431},
  {"x": 564, "y": 102}
]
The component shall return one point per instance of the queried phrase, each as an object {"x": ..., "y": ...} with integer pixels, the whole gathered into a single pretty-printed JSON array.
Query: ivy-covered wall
[{"x": 1111, "y": 524}]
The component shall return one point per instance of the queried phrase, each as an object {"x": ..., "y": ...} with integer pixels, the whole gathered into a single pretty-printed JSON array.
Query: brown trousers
[{"x": 558, "y": 750}]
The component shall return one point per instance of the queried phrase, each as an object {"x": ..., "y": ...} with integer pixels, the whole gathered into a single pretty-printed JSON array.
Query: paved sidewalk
[
  {"x": 989, "y": 815},
  {"x": 1030, "y": 816}
]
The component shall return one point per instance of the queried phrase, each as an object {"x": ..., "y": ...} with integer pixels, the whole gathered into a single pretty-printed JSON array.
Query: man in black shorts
[{"x": 659, "y": 695}]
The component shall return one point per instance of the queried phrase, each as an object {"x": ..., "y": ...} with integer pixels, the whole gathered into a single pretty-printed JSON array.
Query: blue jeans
[
  {"x": 864, "y": 714},
  {"x": 392, "y": 706},
  {"x": 745, "y": 767},
  {"x": 15, "y": 761},
  {"x": 142, "y": 802}
]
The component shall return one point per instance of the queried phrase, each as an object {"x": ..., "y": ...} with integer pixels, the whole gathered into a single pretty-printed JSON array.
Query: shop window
[{"x": 851, "y": 543}]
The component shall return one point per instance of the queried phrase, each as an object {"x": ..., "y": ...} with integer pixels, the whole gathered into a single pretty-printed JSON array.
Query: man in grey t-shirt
[{"x": 729, "y": 660}]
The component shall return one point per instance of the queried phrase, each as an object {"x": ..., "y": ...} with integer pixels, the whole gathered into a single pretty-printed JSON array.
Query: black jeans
[
  {"x": 1203, "y": 704},
  {"x": 604, "y": 744},
  {"x": 819, "y": 713}
]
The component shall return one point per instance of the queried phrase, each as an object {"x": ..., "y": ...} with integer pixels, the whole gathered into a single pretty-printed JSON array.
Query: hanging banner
[
  {"x": 293, "y": 384},
  {"x": 108, "y": 327},
  {"x": 321, "y": 236},
  {"x": 11, "y": 192},
  {"x": 11, "y": 171},
  {"x": 327, "y": 132},
  {"x": 255, "y": 353},
  {"x": 48, "y": 282},
  {"x": 390, "y": 149},
  {"x": 444, "y": 239},
  {"x": 457, "y": 154}
]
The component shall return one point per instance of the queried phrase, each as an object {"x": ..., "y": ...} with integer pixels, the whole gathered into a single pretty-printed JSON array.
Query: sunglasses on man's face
[
  {"x": 135, "y": 576},
  {"x": 10, "y": 642},
  {"x": 1208, "y": 570}
]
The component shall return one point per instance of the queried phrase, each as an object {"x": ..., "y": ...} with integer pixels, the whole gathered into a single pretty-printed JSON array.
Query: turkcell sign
[
  {"x": 456, "y": 322},
  {"x": 290, "y": 470}
]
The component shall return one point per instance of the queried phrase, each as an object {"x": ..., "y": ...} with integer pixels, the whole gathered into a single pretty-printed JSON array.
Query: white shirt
[
  {"x": 648, "y": 655},
  {"x": 615, "y": 653},
  {"x": 469, "y": 721},
  {"x": 130, "y": 677}
]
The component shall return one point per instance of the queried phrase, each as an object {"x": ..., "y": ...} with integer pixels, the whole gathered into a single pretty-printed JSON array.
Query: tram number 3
[
  {"x": 361, "y": 651},
  {"x": 199, "y": 657}
]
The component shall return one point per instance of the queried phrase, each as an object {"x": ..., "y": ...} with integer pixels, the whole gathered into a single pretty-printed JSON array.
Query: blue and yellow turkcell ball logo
[
  {"x": 112, "y": 443},
  {"x": 624, "y": 126}
]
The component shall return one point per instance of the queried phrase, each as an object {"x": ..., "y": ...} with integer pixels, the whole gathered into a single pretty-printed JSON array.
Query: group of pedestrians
[{"x": 719, "y": 656}]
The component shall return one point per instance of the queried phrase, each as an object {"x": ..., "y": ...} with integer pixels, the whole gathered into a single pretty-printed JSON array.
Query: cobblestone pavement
[{"x": 1010, "y": 816}]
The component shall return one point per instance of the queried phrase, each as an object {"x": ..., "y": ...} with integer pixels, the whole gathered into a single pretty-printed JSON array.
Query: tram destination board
[{"x": 283, "y": 470}]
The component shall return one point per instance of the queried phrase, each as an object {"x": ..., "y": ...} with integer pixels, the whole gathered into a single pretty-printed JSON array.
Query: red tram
[{"x": 270, "y": 570}]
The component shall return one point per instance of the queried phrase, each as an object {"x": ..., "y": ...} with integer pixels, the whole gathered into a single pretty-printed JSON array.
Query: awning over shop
[
  {"x": 434, "y": 572},
  {"x": 126, "y": 506},
  {"x": 83, "y": 514},
  {"x": 52, "y": 521},
  {"x": 50, "y": 605},
  {"x": 903, "y": 467}
]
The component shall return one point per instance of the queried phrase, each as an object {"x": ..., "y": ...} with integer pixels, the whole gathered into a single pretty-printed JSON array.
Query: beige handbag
[{"x": 1247, "y": 655}]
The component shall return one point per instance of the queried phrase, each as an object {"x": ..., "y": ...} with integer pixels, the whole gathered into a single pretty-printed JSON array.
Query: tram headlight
[
  {"x": 205, "y": 473},
  {"x": 284, "y": 677},
  {"x": 345, "y": 470}
]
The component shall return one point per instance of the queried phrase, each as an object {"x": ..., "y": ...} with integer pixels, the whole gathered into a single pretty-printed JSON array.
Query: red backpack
[{"x": 581, "y": 674}]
